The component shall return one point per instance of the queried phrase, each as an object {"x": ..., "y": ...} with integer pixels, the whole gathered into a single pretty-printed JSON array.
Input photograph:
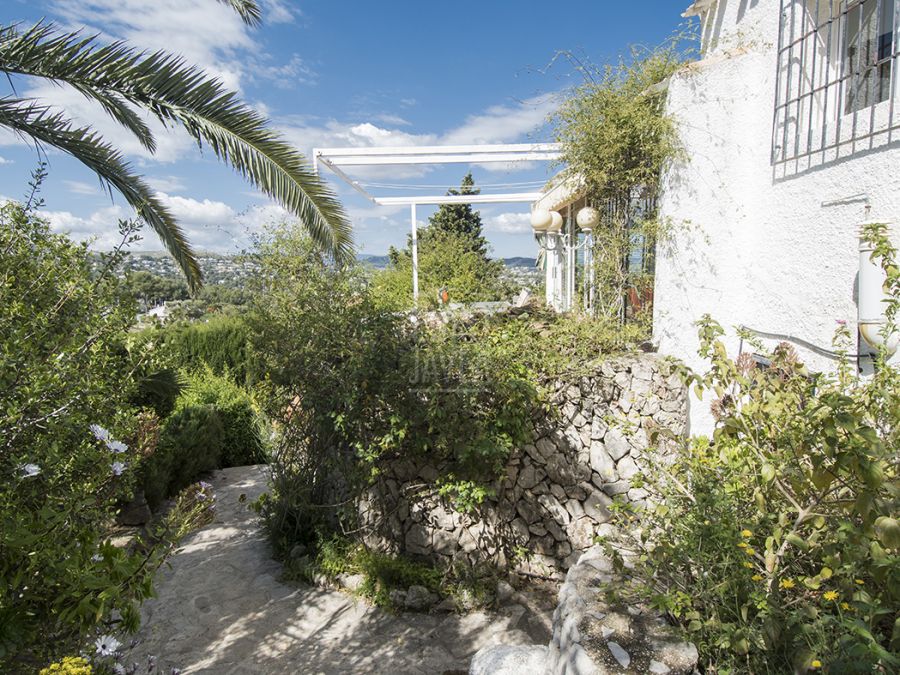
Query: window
[
  {"x": 868, "y": 51},
  {"x": 836, "y": 64}
]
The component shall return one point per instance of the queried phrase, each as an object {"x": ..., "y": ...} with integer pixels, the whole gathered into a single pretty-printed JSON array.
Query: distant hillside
[
  {"x": 377, "y": 261},
  {"x": 520, "y": 262}
]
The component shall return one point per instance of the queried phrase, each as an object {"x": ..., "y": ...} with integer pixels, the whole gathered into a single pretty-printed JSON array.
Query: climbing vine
[{"x": 617, "y": 138}]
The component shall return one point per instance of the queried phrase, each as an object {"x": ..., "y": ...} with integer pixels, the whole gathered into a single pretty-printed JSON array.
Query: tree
[
  {"x": 460, "y": 218},
  {"x": 124, "y": 81},
  {"x": 446, "y": 260}
]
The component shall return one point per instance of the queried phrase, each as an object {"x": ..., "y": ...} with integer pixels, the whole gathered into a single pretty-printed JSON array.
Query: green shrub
[
  {"x": 64, "y": 376},
  {"x": 775, "y": 543},
  {"x": 243, "y": 440},
  {"x": 219, "y": 342},
  {"x": 157, "y": 390},
  {"x": 381, "y": 572},
  {"x": 191, "y": 443},
  {"x": 353, "y": 386}
]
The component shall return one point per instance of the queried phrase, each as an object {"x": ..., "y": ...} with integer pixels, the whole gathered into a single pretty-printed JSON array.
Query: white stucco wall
[{"x": 772, "y": 250}]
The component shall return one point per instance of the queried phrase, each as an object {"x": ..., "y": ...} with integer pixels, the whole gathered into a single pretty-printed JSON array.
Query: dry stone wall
[{"x": 556, "y": 491}]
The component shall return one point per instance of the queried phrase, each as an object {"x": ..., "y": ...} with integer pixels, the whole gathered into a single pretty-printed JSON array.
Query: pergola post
[{"x": 415, "y": 254}]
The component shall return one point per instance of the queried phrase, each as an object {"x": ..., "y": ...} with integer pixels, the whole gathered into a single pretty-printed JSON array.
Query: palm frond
[
  {"x": 183, "y": 94},
  {"x": 32, "y": 121},
  {"x": 18, "y": 49},
  {"x": 248, "y": 10}
]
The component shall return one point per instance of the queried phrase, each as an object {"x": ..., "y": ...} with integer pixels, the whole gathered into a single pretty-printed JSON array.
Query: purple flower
[
  {"x": 116, "y": 446},
  {"x": 841, "y": 322},
  {"x": 99, "y": 432},
  {"x": 118, "y": 468}
]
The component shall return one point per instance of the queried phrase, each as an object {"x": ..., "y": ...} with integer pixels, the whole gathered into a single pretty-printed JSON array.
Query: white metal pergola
[{"x": 336, "y": 159}]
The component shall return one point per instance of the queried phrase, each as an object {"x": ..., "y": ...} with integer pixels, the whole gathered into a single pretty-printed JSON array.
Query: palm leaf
[
  {"x": 248, "y": 10},
  {"x": 31, "y": 121},
  {"x": 178, "y": 93},
  {"x": 60, "y": 47}
]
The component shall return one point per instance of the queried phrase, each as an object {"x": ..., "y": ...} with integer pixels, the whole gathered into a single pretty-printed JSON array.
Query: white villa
[{"x": 791, "y": 127}]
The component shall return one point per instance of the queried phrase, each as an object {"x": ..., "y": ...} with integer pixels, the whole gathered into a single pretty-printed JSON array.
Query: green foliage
[
  {"x": 446, "y": 260},
  {"x": 616, "y": 140},
  {"x": 152, "y": 289},
  {"x": 63, "y": 370},
  {"x": 219, "y": 343},
  {"x": 458, "y": 219},
  {"x": 775, "y": 543},
  {"x": 157, "y": 390},
  {"x": 191, "y": 443},
  {"x": 381, "y": 572},
  {"x": 352, "y": 385},
  {"x": 243, "y": 439}
]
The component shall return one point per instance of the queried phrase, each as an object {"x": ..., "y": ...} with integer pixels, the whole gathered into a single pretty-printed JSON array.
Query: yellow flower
[
  {"x": 845, "y": 605},
  {"x": 749, "y": 566},
  {"x": 742, "y": 545},
  {"x": 860, "y": 581},
  {"x": 749, "y": 551},
  {"x": 787, "y": 583},
  {"x": 746, "y": 534},
  {"x": 830, "y": 595},
  {"x": 756, "y": 577},
  {"x": 816, "y": 663}
]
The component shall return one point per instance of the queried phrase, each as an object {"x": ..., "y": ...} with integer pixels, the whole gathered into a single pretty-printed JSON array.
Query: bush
[
  {"x": 219, "y": 343},
  {"x": 191, "y": 443},
  {"x": 775, "y": 543},
  {"x": 243, "y": 439},
  {"x": 64, "y": 374},
  {"x": 157, "y": 390},
  {"x": 353, "y": 386}
]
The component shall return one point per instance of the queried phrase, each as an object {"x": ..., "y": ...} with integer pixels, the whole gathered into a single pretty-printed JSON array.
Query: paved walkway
[{"x": 222, "y": 609}]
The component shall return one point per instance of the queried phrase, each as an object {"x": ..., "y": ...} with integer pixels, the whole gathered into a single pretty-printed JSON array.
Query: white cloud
[
  {"x": 3, "y": 161},
  {"x": 516, "y": 222},
  {"x": 80, "y": 188},
  {"x": 208, "y": 225},
  {"x": 100, "y": 227},
  {"x": 207, "y": 33},
  {"x": 276, "y": 11},
  {"x": 288, "y": 75},
  {"x": 497, "y": 124},
  {"x": 503, "y": 123},
  {"x": 165, "y": 183}
]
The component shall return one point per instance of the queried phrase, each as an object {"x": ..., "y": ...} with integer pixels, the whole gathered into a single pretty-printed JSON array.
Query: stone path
[{"x": 222, "y": 609}]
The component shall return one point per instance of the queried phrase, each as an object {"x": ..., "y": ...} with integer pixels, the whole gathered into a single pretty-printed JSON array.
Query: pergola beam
[
  {"x": 506, "y": 153},
  {"x": 507, "y": 198}
]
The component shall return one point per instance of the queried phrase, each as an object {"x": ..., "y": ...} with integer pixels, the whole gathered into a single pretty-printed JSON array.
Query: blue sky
[{"x": 336, "y": 73}]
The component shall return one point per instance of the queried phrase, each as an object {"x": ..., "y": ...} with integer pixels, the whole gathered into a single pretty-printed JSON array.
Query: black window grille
[{"x": 836, "y": 83}]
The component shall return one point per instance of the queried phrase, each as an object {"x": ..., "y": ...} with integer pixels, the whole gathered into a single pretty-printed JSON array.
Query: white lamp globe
[
  {"x": 557, "y": 223},
  {"x": 541, "y": 220},
  {"x": 588, "y": 218}
]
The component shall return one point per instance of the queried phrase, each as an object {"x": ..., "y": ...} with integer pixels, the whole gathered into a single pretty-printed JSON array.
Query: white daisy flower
[
  {"x": 118, "y": 468},
  {"x": 30, "y": 470},
  {"x": 107, "y": 645},
  {"x": 116, "y": 446},
  {"x": 99, "y": 432}
]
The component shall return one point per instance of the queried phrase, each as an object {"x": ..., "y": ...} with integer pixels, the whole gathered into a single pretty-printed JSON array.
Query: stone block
[
  {"x": 602, "y": 463},
  {"x": 627, "y": 468},
  {"x": 617, "y": 445},
  {"x": 596, "y": 507}
]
